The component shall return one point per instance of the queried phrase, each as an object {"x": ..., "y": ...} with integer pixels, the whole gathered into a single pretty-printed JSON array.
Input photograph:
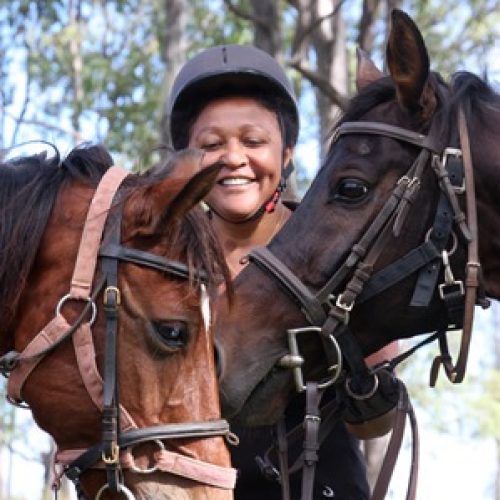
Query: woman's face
[{"x": 246, "y": 137}]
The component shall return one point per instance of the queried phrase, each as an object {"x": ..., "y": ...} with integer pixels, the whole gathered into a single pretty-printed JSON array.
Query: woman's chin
[
  {"x": 237, "y": 213},
  {"x": 236, "y": 207}
]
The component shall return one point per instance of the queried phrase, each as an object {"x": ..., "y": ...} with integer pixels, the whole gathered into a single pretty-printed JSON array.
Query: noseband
[
  {"x": 328, "y": 310},
  {"x": 119, "y": 431}
]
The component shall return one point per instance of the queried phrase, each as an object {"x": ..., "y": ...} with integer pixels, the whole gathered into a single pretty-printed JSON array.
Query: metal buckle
[
  {"x": 448, "y": 288},
  {"x": 456, "y": 153},
  {"x": 115, "y": 454},
  {"x": 343, "y": 305},
  {"x": 312, "y": 418},
  {"x": 294, "y": 360},
  {"x": 116, "y": 291},
  {"x": 450, "y": 283}
]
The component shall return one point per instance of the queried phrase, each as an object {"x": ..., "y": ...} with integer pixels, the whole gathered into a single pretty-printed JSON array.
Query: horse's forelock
[
  {"x": 203, "y": 251},
  {"x": 369, "y": 97}
]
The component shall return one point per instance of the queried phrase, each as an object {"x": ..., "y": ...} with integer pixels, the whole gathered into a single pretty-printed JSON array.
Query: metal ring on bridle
[
  {"x": 454, "y": 241},
  {"x": 335, "y": 369},
  {"x": 367, "y": 395},
  {"x": 69, "y": 297},
  {"x": 149, "y": 470},
  {"x": 121, "y": 489}
]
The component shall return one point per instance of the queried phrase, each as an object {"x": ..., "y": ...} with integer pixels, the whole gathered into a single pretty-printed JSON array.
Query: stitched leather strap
[
  {"x": 310, "y": 306},
  {"x": 375, "y": 128},
  {"x": 83, "y": 274}
]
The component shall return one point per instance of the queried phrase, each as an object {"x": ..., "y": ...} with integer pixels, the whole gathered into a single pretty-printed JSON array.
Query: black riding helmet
[
  {"x": 230, "y": 69},
  {"x": 234, "y": 70}
]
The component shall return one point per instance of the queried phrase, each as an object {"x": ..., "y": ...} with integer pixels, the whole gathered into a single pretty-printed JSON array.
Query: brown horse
[
  {"x": 165, "y": 417},
  {"x": 381, "y": 231}
]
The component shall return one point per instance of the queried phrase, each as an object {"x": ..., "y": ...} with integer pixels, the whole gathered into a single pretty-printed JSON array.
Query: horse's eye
[
  {"x": 172, "y": 333},
  {"x": 350, "y": 191}
]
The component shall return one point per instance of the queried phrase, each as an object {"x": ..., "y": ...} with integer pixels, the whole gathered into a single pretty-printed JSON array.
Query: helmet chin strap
[{"x": 268, "y": 206}]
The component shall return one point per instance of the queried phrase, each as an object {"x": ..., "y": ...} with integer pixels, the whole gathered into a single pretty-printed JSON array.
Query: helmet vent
[{"x": 224, "y": 54}]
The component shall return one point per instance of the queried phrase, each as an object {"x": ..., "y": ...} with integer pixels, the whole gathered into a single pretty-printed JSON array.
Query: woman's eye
[
  {"x": 210, "y": 146},
  {"x": 173, "y": 334},
  {"x": 350, "y": 190},
  {"x": 253, "y": 141}
]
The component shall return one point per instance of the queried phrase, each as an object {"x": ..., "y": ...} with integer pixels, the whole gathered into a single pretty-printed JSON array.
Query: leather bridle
[
  {"x": 119, "y": 431},
  {"x": 328, "y": 309}
]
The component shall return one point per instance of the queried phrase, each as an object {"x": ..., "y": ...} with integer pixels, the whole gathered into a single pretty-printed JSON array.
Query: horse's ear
[
  {"x": 408, "y": 62},
  {"x": 192, "y": 193},
  {"x": 366, "y": 71},
  {"x": 167, "y": 200}
]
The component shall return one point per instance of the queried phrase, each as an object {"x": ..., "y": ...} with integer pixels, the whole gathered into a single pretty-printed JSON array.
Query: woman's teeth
[{"x": 235, "y": 181}]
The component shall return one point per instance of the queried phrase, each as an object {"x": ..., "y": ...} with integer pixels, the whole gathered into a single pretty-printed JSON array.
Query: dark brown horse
[
  {"x": 385, "y": 218},
  {"x": 165, "y": 417}
]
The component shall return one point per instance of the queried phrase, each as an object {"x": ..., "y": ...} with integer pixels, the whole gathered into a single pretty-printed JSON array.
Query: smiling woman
[
  {"x": 244, "y": 136},
  {"x": 237, "y": 105}
]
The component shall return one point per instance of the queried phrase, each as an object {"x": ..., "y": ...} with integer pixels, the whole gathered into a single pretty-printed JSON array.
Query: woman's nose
[{"x": 234, "y": 155}]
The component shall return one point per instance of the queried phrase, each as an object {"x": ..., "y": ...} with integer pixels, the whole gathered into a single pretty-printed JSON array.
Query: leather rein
[
  {"x": 328, "y": 311},
  {"x": 119, "y": 431}
]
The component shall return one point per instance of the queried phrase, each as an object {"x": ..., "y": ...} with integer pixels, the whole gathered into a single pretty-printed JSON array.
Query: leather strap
[
  {"x": 170, "y": 462},
  {"x": 116, "y": 251},
  {"x": 401, "y": 134},
  {"x": 414, "y": 260},
  {"x": 456, "y": 372},
  {"x": 266, "y": 260},
  {"x": 312, "y": 421},
  {"x": 282, "y": 443},
  {"x": 83, "y": 274},
  {"x": 404, "y": 409}
]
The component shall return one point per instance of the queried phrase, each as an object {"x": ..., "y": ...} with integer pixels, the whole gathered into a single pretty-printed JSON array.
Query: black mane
[
  {"x": 476, "y": 97},
  {"x": 28, "y": 188}
]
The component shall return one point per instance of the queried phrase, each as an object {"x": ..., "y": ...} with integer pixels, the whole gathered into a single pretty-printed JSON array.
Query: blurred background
[{"x": 86, "y": 70}]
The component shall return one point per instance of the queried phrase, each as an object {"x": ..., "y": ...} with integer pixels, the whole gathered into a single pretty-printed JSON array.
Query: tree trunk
[
  {"x": 267, "y": 26},
  {"x": 329, "y": 41},
  {"x": 366, "y": 34},
  {"x": 75, "y": 49},
  {"x": 173, "y": 43},
  {"x": 268, "y": 37}
]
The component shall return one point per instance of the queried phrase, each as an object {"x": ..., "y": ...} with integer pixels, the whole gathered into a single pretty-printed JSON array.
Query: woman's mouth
[{"x": 235, "y": 181}]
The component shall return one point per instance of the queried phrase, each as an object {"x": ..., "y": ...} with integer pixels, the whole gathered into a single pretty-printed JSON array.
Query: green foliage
[
  {"x": 485, "y": 408},
  {"x": 96, "y": 73},
  {"x": 458, "y": 35}
]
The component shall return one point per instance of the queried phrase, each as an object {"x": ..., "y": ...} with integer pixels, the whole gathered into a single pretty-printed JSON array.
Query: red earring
[{"x": 271, "y": 204}]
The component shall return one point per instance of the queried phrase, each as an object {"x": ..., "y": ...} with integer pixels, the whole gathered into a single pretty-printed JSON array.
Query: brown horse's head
[
  {"x": 165, "y": 357},
  {"x": 358, "y": 177}
]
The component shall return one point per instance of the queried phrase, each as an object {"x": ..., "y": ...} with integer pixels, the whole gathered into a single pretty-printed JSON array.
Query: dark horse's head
[{"x": 366, "y": 174}]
